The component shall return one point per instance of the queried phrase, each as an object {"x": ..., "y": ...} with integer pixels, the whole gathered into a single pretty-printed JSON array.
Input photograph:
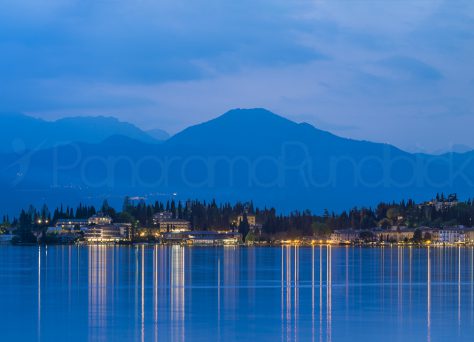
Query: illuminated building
[
  {"x": 203, "y": 238},
  {"x": 163, "y": 216},
  {"x": 71, "y": 223},
  {"x": 99, "y": 219},
  {"x": 344, "y": 236},
  {"x": 174, "y": 226},
  {"x": 451, "y": 235},
  {"x": 108, "y": 233},
  {"x": 251, "y": 219}
]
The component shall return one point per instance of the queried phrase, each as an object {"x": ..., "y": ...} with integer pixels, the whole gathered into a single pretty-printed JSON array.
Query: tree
[
  {"x": 417, "y": 235},
  {"x": 320, "y": 229},
  {"x": 127, "y": 205},
  {"x": 367, "y": 236},
  {"x": 244, "y": 226},
  {"x": 24, "y": 232},
  {"x": 250, "y": 237},
  {"x": 392, "y": 215}
]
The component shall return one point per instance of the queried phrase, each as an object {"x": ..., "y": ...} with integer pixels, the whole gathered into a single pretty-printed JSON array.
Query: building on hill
[
  {"x": 251, "y": 219},
  {"x": 441, "y": 203},
  {"x": 99, "y": 219}
]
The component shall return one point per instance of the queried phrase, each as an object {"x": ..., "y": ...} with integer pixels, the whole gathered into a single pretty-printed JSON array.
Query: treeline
[{"x": 212, "y": 216}]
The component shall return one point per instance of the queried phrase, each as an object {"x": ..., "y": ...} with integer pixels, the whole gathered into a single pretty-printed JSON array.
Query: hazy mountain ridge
[
  {"x": 19, "y": 132},
  {"x": 242, "y": 155}
]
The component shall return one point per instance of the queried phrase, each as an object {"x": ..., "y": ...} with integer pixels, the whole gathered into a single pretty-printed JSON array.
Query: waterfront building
[
  {"x": 451, "y": 235},
  {"x": 71, "y": 224},
  {"x": 469, "y": 236},
  {"x": 99, "y": 219},
  {"x": 203, "y": 238},
  {"x": 344, "y": 236},
  {"x": 108, "y": 233},
  {"x": 174, "y": 226},
  {"x": 394, "y": 235}
]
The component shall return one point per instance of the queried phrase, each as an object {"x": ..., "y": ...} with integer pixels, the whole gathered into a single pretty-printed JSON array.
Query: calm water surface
[{"x": 157, "y": 293}]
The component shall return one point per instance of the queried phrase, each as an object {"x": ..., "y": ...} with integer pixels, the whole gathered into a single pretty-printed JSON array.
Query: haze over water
[{"x": 174, "y": 293}]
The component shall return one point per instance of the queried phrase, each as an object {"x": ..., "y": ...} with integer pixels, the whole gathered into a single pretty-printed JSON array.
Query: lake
[{"x": 175, "y": 293}]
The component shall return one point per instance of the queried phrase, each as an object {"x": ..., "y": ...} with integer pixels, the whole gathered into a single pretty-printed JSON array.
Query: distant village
[
  {"x": 440, "y": 221},
  {"x": 100, "y": 228}
]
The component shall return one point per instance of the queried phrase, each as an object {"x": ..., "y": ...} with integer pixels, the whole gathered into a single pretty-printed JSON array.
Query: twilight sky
[{"x": 397, "y": 71}]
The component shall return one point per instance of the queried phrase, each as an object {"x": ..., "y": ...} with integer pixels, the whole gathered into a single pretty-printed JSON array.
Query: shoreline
[{"x": 253, "y": 245}]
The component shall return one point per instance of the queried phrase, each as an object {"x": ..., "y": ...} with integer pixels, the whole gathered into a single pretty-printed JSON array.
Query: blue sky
[{"x": 397, "y": 71}]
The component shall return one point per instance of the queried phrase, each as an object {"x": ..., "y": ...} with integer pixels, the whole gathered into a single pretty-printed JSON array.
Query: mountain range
[
  {"x": 244, "y": 154},
  {"x": 20, "y": 132}
]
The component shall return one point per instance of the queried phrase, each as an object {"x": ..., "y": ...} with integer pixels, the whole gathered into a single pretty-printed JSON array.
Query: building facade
[
  {"x": 394, "y": 235},
  {"x": 71, "y": 224},
  {"x": 99, "y": 219},
  {"x": 163, "y": 216},
  {"x": 203, "y": 238},
  {"x": 108, "y": 233},
  {"x": 344, "y": 236},
  {"x": 251, "y": 219},
  {"x": 174, "y": 226},
  {"x": 451, "y": 236}
]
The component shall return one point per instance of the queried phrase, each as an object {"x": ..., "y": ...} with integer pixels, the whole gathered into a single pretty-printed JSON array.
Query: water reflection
[
  {"x": 428, "y": 282},
  {"x": 39, "y": 294},
  {"x": 177, "y": 292},
  {"x": 142, "y": 330},
  {"x": 155, "y": 292},
  {"x": 319, "y": 293},
  {"x": 329, "y": 291},
  {"x": 292, "y": 285},
  {"x": 98, "y": 291}
]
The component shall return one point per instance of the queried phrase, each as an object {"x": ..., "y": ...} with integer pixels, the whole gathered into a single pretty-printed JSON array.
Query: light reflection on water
[{"x": 175, "y": 293}]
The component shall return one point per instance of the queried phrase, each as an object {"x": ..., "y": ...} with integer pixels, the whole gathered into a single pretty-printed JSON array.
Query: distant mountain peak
[
  {"x": 241, "y": 126},
  {"x": 252, "y": 114}
]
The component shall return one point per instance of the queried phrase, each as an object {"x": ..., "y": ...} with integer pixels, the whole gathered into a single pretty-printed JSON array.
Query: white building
[
  {"x": 344, "y": 236},
  {"x": 163, "y": 216},
  {"x": 174, "y": 226},
  {"x": 71, "y": 223},
  {"x": 99, "y": 219},
  {"x": 108, "y": 233},
  {"x": 451, "y": 235}
]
